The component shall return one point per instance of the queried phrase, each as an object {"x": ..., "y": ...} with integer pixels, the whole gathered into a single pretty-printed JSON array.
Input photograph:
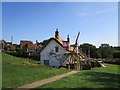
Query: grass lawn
[
  {"x": 18, "y": 71},
  {"x": 99, "y": 77}
]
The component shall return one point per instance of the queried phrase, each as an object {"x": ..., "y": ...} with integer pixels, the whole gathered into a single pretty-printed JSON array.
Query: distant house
[
  {"x": 2, "y": 44},
  {"x": 30, "y": 48},
  {"x": 29, "y": 45},
  {"x": 25, "y": 43},
  {"x": 33, "y": 47},
  {"x": 55, "y": 51},
  {"x": 8, "y": 45}
]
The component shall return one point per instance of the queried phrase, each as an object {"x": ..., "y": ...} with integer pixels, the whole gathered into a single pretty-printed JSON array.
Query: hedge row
[{"x": 112, "y": 60}]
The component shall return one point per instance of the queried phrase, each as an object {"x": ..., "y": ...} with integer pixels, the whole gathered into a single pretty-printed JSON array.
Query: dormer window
[{"x": 56, "y": 49}]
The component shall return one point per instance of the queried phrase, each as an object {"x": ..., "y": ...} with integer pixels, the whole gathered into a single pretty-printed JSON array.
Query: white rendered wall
[{"x": 45, "y": 56}]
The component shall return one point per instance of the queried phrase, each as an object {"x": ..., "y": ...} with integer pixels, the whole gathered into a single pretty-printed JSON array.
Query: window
[
  {"x": 56, "y": 49},
  {"x": 65, "y": 44},
  {"x": 46, "y": 62}
]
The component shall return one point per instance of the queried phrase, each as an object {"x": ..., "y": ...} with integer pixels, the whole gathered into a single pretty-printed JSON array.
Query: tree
[
  {"x": 117, "y": 48},
  {"x": 106, "y": 51},
  {"x": 21, "y": 53},
  {"x": 116, "y": 52},
  {"x": 90, "y": 50},
  {"x": 42, "y": 43}
]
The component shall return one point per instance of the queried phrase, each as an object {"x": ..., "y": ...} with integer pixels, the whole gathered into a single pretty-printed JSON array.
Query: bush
[
  {"x": 112, "y": 61},
  {"x": 18, "y": 53},
  {"x": 116, "y": 55}
]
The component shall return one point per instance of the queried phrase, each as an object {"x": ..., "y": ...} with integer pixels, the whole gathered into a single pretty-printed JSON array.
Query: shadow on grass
[{"x": 108, "y": 80}]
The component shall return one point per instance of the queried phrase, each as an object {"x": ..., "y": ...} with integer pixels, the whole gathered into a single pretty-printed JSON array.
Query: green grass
[
  {"x": 15, "y": 73},
  {"x": 99, "y": 77}
]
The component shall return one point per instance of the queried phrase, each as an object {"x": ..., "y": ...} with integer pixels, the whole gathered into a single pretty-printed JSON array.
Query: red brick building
[{"x": 24, "y": 43}]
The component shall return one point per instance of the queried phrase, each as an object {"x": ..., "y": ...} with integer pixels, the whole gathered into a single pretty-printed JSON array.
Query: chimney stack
[
  {"x": 36, "y": 41},
  {"x": 68, "y": 38},
  {"x": 57, "y": 34}
]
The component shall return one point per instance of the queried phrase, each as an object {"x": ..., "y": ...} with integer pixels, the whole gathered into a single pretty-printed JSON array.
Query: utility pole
[
  {"x": 12, "y": 42},
  {"x": 12, "y": 39}
]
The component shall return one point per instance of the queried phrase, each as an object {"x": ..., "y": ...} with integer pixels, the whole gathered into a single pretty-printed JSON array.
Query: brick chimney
[
  {"x": 57, "y": 34},
  {"x": 68, "y": 38},
  {"x": 37, "y": 43}
]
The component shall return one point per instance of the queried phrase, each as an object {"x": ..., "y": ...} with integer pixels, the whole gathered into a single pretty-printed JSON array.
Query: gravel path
[{"x": 47, "y": 80}]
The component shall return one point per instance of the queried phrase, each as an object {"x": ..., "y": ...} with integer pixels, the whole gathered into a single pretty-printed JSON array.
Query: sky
[{"x": 97, "y": 22}]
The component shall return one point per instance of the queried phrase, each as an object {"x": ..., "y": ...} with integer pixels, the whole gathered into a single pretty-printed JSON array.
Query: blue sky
[{"x": 97, "y": 22}]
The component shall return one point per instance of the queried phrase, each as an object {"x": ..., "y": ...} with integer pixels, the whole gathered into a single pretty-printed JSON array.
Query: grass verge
[
  {"x": 18, "y": 71},
  {"x": 99, "y": 77}
]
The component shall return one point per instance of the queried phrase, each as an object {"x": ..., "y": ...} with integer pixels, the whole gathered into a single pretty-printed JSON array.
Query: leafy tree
[
  {"x": 21, "y": 53},
  {"x": 116, "y": 52},
  {"x": 106, "y": 51},
  {"x": 42, "y": 43},
  {"x": 90, "y": 50},
  {"x": 117, "y": 48}
]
